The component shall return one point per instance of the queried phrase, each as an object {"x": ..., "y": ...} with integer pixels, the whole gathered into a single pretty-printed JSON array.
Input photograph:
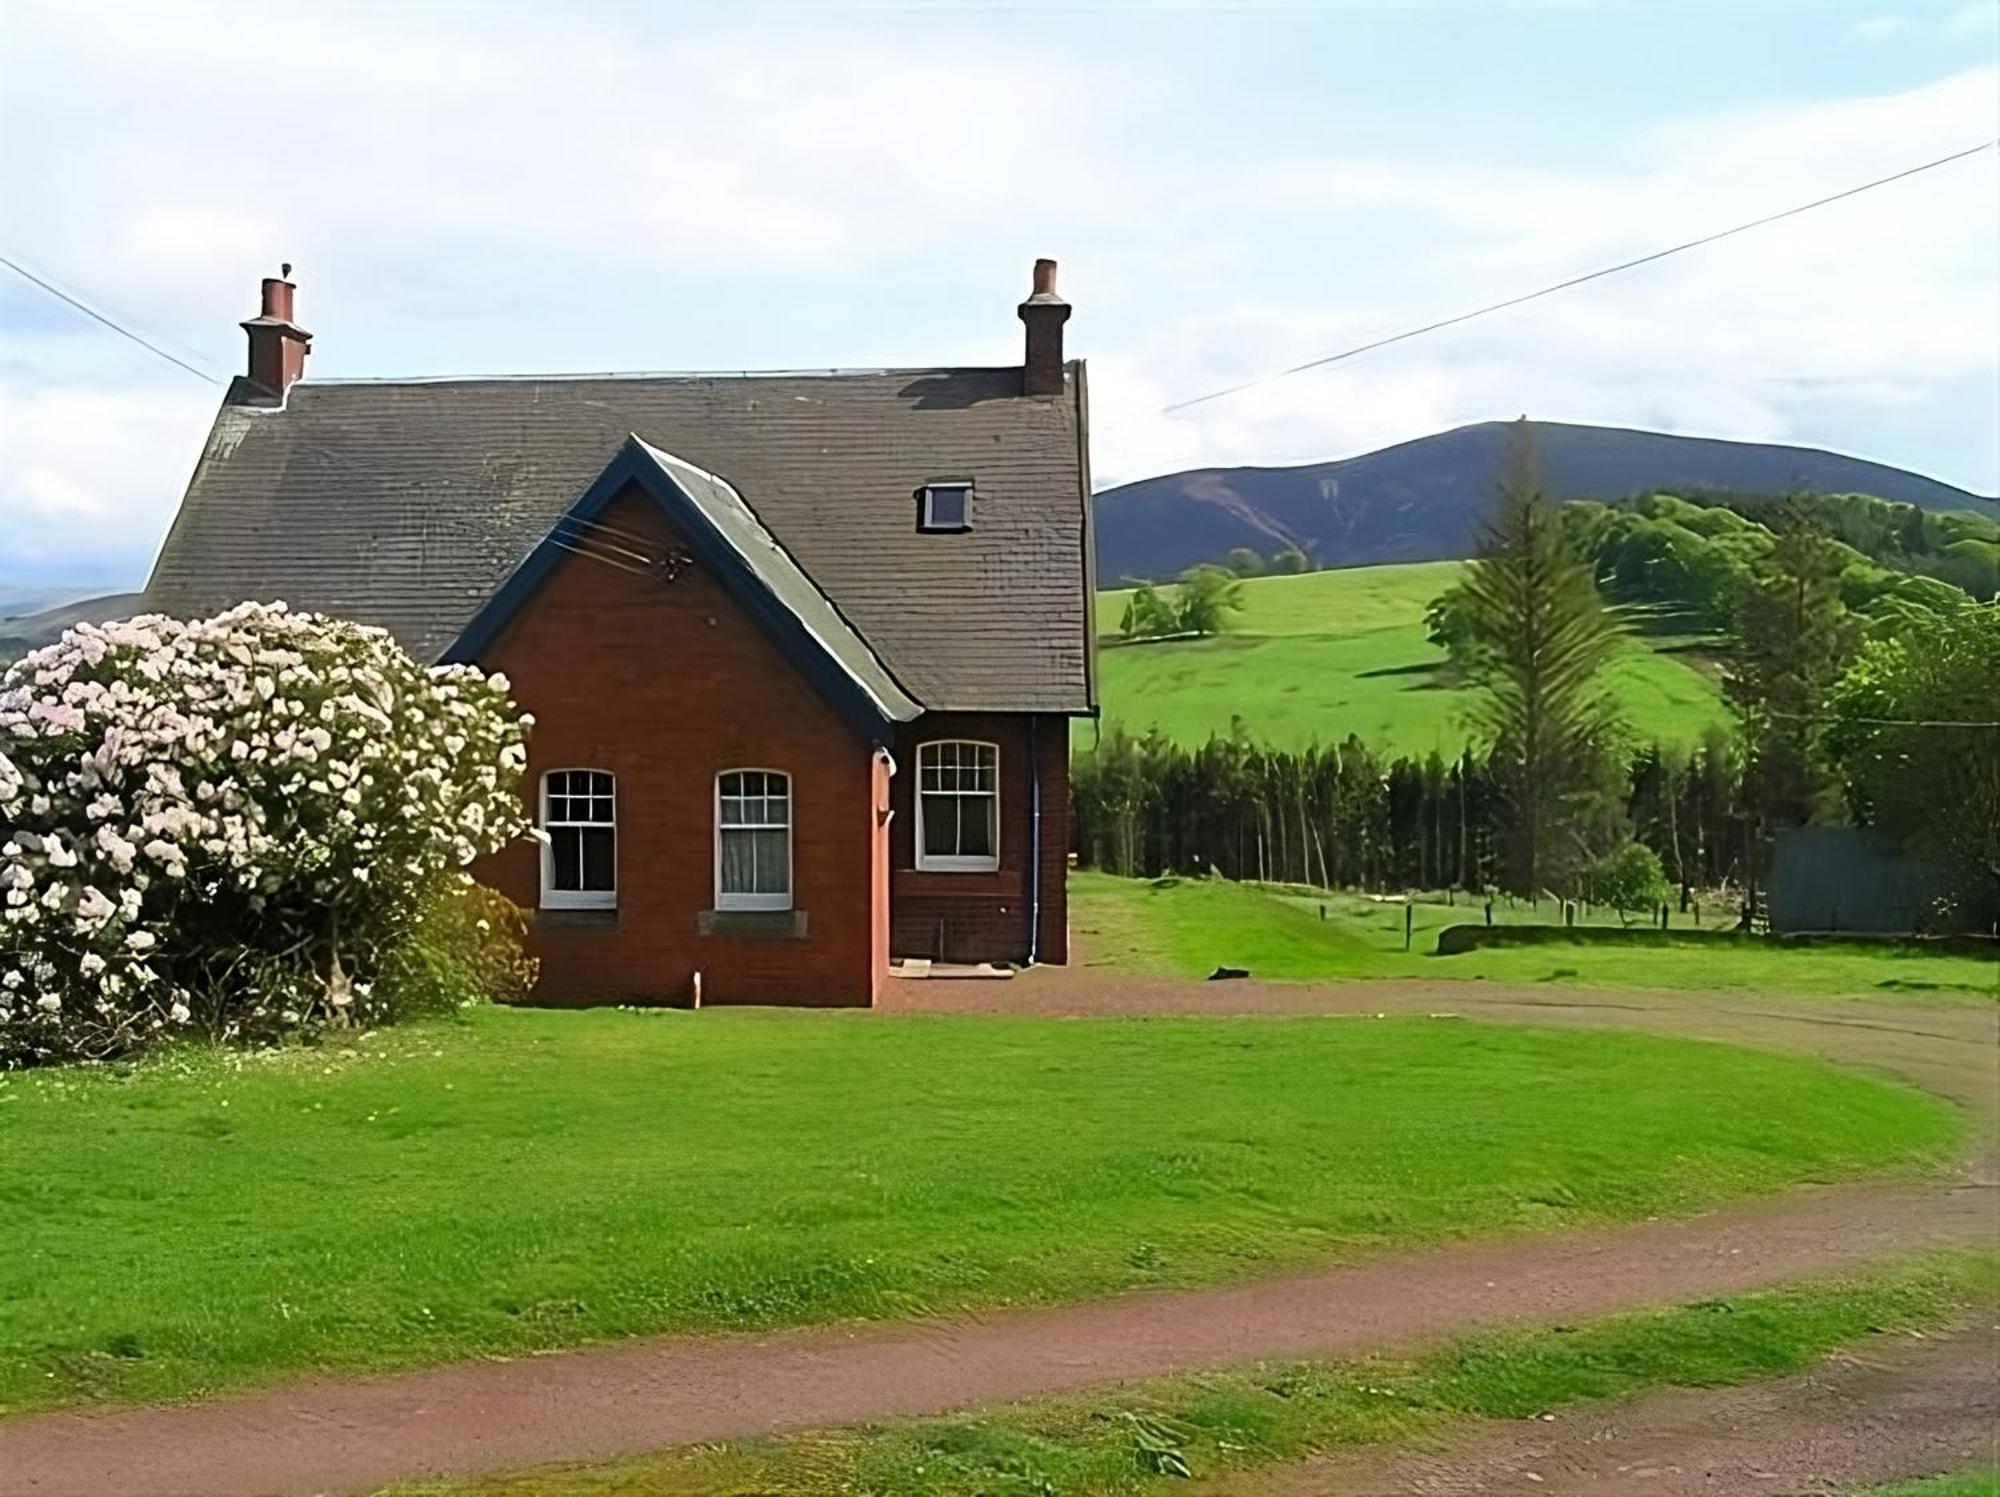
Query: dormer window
[{"x": 944, "y": 506}]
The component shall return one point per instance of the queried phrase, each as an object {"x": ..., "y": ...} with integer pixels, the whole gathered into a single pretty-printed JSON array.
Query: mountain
[
  {"x": 20, "y": 635},
  {"x": 19, "y": 599},
  {"x": 1423, "y": 500}
]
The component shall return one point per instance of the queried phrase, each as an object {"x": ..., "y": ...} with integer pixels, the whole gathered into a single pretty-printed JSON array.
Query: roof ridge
[{"x": 581, "y": 376}]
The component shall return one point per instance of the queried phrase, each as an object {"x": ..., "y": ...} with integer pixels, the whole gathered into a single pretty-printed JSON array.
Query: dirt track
[{"x": 600, "y": 1403}]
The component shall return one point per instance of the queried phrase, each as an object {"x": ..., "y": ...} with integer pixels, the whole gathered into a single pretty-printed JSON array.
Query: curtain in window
[
  {"x": 960, "y": 786},
  {"x": 753, "y": 832}
]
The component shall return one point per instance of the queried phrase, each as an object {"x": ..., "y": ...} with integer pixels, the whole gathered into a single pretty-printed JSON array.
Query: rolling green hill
[{"x": 1319, "y": 656}]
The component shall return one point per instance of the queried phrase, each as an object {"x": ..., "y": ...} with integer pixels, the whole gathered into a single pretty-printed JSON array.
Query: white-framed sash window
[
  {"x": 958, "y": 806},
  {"x": 580, "y": 855},
  {"x": 753, "y": 840}
]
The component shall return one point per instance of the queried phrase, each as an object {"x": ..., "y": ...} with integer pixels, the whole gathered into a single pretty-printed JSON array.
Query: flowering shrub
[{"x": 226, "y": 827}]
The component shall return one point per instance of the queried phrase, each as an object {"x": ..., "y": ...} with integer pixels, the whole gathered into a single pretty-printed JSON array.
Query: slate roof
[{"x": 408, "y": 504}]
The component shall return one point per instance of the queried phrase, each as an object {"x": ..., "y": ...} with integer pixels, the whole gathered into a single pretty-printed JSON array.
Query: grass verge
[
  {"x": 522, "y": 1179},
  {"x": 1137, "y": 1438},
  {"x": 1189, "y": 927}
]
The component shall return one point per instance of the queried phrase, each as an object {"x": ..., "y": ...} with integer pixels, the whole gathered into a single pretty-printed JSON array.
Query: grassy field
[
  {"x": 1142, "y": 1437},
  {"x": 518, "y": 1179},
  {"x": 1189, "y": 927},
  {"x": 1327, "y": 654}
]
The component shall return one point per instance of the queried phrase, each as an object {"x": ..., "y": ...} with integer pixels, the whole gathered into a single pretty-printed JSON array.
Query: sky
[{"x": 1230, "y": 189}]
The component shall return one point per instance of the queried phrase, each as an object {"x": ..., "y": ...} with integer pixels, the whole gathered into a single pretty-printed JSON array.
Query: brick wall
[
  {"x": 971, "y": 917},
  {"x": 666, "y": 685}
]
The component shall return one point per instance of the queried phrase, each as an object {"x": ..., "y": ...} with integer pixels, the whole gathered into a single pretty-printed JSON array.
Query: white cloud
[
  {"x": 91, "y": 476},
  {"x": 345, "y": 137},
  {"x": 1976, "y": 18},
  {"x": 568, "y": 161},
  {"x": 1881, "y": 298},
  {"x": 1880, "y": 28}
]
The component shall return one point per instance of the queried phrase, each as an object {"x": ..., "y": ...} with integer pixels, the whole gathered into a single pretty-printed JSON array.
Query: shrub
[
  {"x": 1147, "y": 614},
  {"x": 226, "y": 827},
  {"x": 468, "y": 945},
  {"x": 1207, "y": 595},
  {"x": 1628, "y": 880}
]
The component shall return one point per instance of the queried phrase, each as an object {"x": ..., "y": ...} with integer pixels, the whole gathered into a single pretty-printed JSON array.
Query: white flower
[{"x": 93, "y": 908}]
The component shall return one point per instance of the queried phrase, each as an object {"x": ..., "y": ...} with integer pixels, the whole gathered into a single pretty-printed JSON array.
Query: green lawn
[
  {"x": 1141, "y": 1437},
  {"x": 1189, "y": 927},
  {"x": 1327, "y": 654},
  {"x": 521, "y": 1179}
]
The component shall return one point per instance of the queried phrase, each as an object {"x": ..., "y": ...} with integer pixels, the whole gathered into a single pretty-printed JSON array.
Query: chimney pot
[
  {"x": 278, "y": 345},
  {"x": 1043, "y": 313},
  {"x": 278, "y": 298}
]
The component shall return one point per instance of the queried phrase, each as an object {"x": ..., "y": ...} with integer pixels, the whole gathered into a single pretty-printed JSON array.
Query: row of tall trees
[{"x": 1343, "y": 816}]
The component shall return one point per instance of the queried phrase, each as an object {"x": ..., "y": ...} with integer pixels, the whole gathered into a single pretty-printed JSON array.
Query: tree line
[{"x": 1344, "y": 816}]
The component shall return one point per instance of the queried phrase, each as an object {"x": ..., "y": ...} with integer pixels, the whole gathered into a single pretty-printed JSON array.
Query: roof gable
[{"x": 724, "y": 535}]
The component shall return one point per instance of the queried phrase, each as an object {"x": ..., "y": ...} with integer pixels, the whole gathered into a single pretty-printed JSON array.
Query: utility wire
[
  {"x": 1577, "y": 280},
  {"x": 91, "y": 312}
]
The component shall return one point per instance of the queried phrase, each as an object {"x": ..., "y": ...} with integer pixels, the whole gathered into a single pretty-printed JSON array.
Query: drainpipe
[{"x": 1034, "y": 839}]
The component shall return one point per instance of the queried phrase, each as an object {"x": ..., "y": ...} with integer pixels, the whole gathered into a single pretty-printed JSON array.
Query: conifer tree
[
  {"x": 1792, "y": 636},
  {"x": 1538, "y": 639}
]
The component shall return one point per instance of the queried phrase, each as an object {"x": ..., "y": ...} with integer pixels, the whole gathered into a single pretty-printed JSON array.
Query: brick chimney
[
  {"x": 278, "y": 345},
  {"x": 1044, "y": 312}
]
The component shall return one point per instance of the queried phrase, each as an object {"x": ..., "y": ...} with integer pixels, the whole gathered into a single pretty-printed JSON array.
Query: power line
[
  {"x": 1578, "y": 280},
  {"x": 97, "y": 316}
]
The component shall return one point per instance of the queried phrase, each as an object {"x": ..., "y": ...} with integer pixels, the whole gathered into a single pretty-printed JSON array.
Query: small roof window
[{"x": 944, "y": 505}]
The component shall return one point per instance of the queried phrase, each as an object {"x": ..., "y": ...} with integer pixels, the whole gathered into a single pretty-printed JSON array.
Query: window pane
[
  {"x": 940, "y": 825},
  {"x": 598, "y": 861},
  {"x": 975, "y": 826},
  {"x": 946, "y": 507},
  {"x": 774, "y": 875},
  {"x": 738, "y": 867},
  {"x": 565, "y": 858}
]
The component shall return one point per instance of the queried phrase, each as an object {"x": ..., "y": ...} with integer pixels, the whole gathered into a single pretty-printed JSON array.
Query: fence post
[{"x": 1409, "y": 924}]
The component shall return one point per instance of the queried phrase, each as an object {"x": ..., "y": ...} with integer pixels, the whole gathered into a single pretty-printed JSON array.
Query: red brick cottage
[{"x": 802, "y": 650}]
